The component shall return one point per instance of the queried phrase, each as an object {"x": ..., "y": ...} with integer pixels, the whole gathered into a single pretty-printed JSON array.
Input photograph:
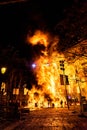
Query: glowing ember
[{"x": 47, "y": 69}]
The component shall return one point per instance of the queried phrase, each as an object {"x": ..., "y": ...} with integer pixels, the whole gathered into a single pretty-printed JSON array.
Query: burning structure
[
  {"x": 60, "y": 76},
  {"x": 52, "y": 87}
]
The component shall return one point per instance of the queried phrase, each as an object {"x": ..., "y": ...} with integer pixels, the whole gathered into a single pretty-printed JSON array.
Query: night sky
[
  {"x": 17, "y": 19},
  {"x": 65, "y": 18}
]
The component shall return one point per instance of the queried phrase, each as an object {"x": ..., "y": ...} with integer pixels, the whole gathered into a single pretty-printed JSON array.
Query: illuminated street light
[
  {"x": 3, "y": 70},
  {"x": 3, "y": 85},
  {"x": 33, "y": 65}
]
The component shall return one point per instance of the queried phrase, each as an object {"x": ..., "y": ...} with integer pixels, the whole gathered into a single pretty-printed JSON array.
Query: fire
[
  {"x": 39, "y": 37},
  {"x": 49, "y": 91}
]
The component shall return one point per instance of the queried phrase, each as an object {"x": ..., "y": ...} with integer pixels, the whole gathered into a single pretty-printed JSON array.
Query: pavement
[{"x": 48, "y": 119}]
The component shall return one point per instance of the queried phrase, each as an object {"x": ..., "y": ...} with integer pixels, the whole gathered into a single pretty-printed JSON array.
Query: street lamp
[
  {"x": 33, "y": 65},
  {"x": 3, "y": 70},
  {"x": 2, "y": 87},
  {"x": 64, "y": 79}
]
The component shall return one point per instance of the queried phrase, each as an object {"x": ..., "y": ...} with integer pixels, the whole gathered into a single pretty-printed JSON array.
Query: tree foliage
[{"x": 72, "y": 29}]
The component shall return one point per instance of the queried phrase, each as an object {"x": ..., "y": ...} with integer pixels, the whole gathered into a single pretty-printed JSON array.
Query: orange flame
[
  {"x": 39, "y": 37},
  {"x": 48, "y": 71}
]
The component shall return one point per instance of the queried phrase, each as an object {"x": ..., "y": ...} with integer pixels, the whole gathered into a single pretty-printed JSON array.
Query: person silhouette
[{"x": 61, "y": 102}]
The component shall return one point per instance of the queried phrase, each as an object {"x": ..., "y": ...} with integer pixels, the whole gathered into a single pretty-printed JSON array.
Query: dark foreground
[{"x": 47, "y": 119}]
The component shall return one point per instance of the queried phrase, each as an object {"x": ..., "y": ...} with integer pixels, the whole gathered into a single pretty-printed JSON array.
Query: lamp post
[
  {"x": 64, "y": 79},
  {"x": 2, "y": 89},
  {"x": 3, "y": 71}
]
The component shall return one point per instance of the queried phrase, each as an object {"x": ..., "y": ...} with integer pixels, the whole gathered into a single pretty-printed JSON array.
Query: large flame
[
  {"x": 39, "y": 37},
  {"x": 49, "y": 90}
]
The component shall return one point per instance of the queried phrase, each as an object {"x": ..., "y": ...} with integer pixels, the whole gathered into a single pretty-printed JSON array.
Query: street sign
[{"x": 62, "y": 79}]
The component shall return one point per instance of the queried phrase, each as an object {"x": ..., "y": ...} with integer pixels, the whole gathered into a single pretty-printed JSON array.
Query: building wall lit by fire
[{"x": 50, "y": 90}]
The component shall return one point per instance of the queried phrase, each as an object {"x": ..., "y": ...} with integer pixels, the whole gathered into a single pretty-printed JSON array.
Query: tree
[{"x": 72, "y": 29}]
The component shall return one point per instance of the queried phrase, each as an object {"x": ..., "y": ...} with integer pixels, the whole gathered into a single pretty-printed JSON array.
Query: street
[{"x": 48, "y": 119}]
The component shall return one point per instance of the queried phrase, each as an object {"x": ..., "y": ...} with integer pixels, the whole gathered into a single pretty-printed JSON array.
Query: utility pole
[{"x": 64, "y": 80}]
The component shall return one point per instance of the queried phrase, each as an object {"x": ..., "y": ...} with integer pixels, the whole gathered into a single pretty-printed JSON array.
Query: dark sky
[
  {"x": 65, "y": 18},
  {"x": 16, "y": 19}
]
